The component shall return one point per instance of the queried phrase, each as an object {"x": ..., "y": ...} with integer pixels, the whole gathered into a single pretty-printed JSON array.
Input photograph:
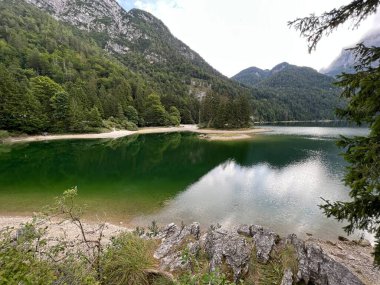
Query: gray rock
[
  {"x": 214, "y": 246},
  {"x": 172, "y": 262},
  {"x": 287, "y": 279},
  {"x": 222, "y": 244},
  {"x": 364, "y": 243},
  {"x": 175, "y": 260},
  {"x": 264, "y": 241},
  {"x": 167, "y": 231},
  {"x": 244, "y": 230},
  {"x": 317, "y": 267},
  {"x": 232, "y": 247},
  {"x": 172, "y": 236}
]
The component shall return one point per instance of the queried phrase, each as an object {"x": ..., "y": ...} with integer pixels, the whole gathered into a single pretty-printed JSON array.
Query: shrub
[
  {"x": 19, "y": 263},
  {"x": 75, "y": 271},
  {"x": 126, "y": 261},
  {"x": 3, "y": 135},
  {"x": 130, "y": 126}
]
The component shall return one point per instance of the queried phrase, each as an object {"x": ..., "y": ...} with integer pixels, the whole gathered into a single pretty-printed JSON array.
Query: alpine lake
[{"x": 275, "y": 179}]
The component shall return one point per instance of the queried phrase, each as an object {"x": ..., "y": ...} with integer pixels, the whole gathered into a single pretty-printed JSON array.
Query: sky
[{"x": 234, "y": 35}]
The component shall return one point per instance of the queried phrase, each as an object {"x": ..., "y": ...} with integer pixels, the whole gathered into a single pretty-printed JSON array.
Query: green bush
[
  {"x": 130, "y": 126},
  {"x": 19, "y": 263},
  {"x": 76, "y": 271},
  {"x": 3, "y": 134}
]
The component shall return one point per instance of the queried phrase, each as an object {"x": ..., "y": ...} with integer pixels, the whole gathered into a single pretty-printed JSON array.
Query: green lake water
[{"x": 275, "y": 180}]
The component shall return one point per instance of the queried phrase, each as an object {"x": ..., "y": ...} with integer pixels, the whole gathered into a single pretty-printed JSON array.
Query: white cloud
[
  {"x": 234, "y": 35},
  {"x": 283, "y": 199}
]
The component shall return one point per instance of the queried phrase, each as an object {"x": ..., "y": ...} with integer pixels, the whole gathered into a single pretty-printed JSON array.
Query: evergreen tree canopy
[{"x": 362, "y": 90}]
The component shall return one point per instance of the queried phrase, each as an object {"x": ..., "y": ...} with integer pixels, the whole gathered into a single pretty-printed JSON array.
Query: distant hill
[
  {"x": 346, "y": 60},
  {"x": 251, "y": 76},
  {"x": 290, "y": 92}
]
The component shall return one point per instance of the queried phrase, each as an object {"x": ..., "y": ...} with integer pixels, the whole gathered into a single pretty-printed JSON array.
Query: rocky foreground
[
  {"x": 243, "y": 252},
  {"x": 317, "y": 262}
]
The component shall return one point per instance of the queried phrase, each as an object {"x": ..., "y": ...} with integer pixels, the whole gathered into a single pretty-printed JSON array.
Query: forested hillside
[
  {"x": 145, "y": 45},
  {"x": 288, "y": 92},
  {"x": 57, "y": 78},
  {"x": 80, "y": 66}
]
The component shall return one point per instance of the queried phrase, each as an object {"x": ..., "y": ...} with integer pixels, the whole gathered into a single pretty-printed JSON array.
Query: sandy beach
[
  {"x": 209, "y": 134},
  {"x": 65, "y": 229}
]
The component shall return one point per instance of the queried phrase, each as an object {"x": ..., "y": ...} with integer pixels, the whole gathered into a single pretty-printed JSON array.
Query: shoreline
[
  {"x": 208, "y": 134},
  {"x": 353, "y": 257}
]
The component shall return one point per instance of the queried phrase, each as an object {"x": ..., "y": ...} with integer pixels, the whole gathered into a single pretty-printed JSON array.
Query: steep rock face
[
  {"x": 346, "y": 60},
  {"x": 101, "y": 16},
  {"x": 121, "y": 31}
]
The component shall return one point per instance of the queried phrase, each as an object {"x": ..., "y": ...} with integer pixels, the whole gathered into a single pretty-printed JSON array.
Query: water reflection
[
  {"x": 284, "y": 198},
  {"x": 273, "y": 180}
]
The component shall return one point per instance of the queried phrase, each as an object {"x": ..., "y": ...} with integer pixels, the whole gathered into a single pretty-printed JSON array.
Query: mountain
[
  {"x": 120, "y": 31},
  {"x": 81, "y": 65},
  {"x": 290, "y": 92},
  {"x": 78, "y": 65},
  {"x": 346, "y": 60},
  {"x": 143, "y": 43},
  {"x": 251, "y": 76},
  {"x": 284, "y": 75}
]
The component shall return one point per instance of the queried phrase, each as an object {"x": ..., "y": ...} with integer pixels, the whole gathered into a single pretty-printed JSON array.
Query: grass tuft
[
  {"x": 272, "y": 272},
  {"x": 127, "y": 260}
]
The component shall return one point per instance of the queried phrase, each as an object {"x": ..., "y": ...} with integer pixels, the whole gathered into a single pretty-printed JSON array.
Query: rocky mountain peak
[
  {"x": 346, "y": 61},
  {"x": 121, "y": 31},
  {"x": 106, "y": 15},
  {"x": 144, "y": 15}
]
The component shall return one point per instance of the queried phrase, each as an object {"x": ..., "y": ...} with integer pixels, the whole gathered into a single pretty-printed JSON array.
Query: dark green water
[{"x": 273, "y": 180}]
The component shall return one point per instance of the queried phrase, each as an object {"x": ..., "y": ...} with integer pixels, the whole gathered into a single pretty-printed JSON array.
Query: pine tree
[
  {"x": 94, "y": 118},
  {"x": 175, "y": 116},
  {"x": 155, "y": 113},
  {"x": 60, "y": 112},
  {"x": 362, "y": 91}
]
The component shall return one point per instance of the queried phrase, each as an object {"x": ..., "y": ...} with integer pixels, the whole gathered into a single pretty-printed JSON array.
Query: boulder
[
  {"x": 228, "y": 245},
  {"x": 244, "y": 230},
  {"x": 317, "y": 267},
  {"x": 174, "y": 240},
  {"x": 264, "y": 241}
]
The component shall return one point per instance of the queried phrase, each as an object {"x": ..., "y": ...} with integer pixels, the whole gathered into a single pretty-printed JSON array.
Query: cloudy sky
[{"x": 234, "y": 35}]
